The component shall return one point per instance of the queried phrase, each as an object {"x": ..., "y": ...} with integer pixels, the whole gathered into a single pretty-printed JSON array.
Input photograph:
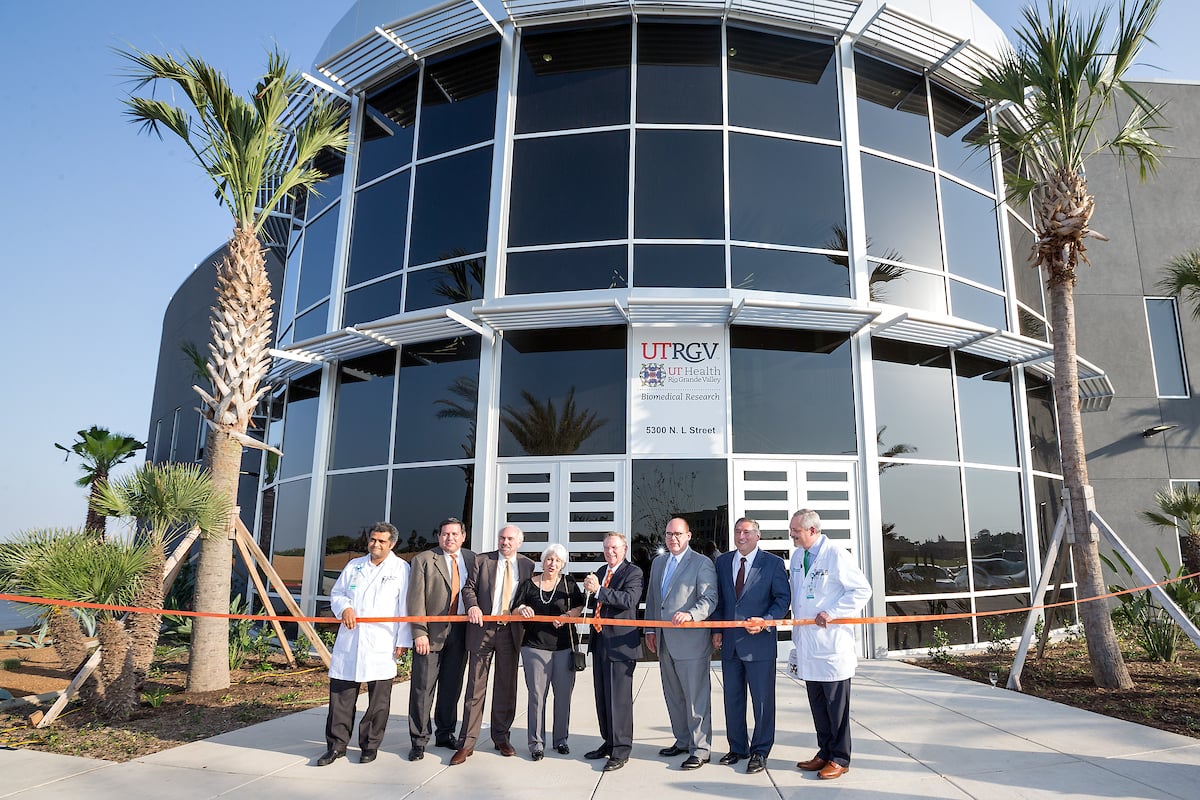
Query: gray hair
[
  {"x": 808, "y": 519},
  {"x": 753, "y": 522},
  {"x": 556, "y": 549},
  {"x": 388, "y": 528}
]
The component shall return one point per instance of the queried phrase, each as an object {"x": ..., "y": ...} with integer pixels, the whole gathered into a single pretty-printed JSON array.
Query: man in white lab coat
[
  {"x": 374, "y": 585},
  {"x": 826, "y": 584}
]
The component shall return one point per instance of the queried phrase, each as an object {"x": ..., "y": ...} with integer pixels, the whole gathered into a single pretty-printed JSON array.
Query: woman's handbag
[{"x": 578, "y": 657}]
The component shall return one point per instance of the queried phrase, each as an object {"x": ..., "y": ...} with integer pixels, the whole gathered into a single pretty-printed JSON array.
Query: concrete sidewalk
[{"x": 917, "y": 733}]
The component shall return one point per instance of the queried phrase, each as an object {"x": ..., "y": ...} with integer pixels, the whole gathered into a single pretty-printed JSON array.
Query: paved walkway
[{"x": 917, "y": 733}]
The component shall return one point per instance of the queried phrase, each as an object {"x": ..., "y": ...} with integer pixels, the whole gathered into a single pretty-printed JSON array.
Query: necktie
[
  {"x": 455, "y": 585},
  {"x": 740, "y": 583},
  {"x": 506, "y": 589},
  {"x": 596, "y": 614},
  {"x": 672, "y": 562},
  {"x": 807, "y": 561}
]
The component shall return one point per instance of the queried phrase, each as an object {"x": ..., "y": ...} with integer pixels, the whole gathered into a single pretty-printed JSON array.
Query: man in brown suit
[
  {"x": 490, "y": 586},
  {"x": 435, "y": 588}
]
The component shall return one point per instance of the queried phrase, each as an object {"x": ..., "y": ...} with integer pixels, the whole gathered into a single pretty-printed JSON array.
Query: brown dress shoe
[
  {"x": 814, "y": 764},
  {"x": 462, "y": 754},
  {"x": 505, "y": 749},
  {"x": 832, "y": 770}
]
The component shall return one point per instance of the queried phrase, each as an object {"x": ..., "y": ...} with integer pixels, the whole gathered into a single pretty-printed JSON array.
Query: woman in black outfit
[{"x": 546, "y": 648}]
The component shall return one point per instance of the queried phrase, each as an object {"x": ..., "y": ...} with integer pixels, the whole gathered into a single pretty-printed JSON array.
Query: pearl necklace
[{"x": 546, "y": 600}]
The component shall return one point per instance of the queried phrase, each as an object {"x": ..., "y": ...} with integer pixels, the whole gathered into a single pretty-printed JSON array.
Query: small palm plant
[
  {"x": 100, "y": 450},
  {"x": 1179, "y": 508}
]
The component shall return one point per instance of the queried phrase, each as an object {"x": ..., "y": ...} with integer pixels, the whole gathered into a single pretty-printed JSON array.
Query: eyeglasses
[{"x": 674, "y": 534}]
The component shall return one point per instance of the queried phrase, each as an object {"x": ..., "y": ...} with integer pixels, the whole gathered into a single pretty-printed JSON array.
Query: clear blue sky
[{"x": 100, "y": 225}]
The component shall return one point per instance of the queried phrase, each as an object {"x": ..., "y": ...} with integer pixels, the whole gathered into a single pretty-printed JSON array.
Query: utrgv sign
[{"x": 677, "y": 391}]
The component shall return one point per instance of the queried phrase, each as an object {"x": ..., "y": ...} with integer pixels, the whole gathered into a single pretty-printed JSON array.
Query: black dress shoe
[
  {"x": 448, "y": 743},
  {"x": 731, "y": 758},
  {"x": 692, "y": 762},
  {"x": 673, "y": 750},
  {"x": 367, "y": 756},
  {"x": 562, "y": 749},
  {"x": 417, "y": 753},
  {"x": 538, "y": 755},
  {"x": 330, "y": 757},
  {"x": 756, "y": 764},
  {"x": 599, "y": 752},
  {"x": 614, "y": 764}
]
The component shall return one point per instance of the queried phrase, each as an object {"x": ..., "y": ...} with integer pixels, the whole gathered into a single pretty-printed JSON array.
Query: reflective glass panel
[
  {"x": 1031, "y": 324},
  {"x": 902, "y": 218},
  {"x": 458, "y": 101},
  {"x": 328, "y": 190},
  {"x": 444, "y": 285},
  {"x": 791, "y": 391},
  {"x": 316, "y": 271},
  {"x": 1047, "y": 496},
  {"x": 893, "y": 115},
  {"x": 678, "y": 189},
  {"x": 300, "y": 425},
  {"x": 997, "y": 532},
  {"x": 766, "y": 204},
  {"x": 972, "y": 239},
  {"x": 373, "y": 302},
  {"x": 682, "y": 265},
  {"x": 569, "y": 189},
  {"x": 779, "y": 83},
  {"x": 290, "y": 531},
  {"x": 424, "y": 496},
  {"x": 693, "y": 488},
  {"x": 388, "y": 129},
  {"x": 1026, "y": 277},
  {"x": 450, "y": 207},
  {"x": 977, "y": 305},
  {"x": 563, "y": 392},
  {"x": 1166, "y": 348},
  {"x": 353, "y": 503},
  {"x": 363, "y": 413},
  {"x": 291, "y": 279},
  {"x": 567, "y": 270},
  {"x": 314, "y": 323},
  {"x": 919, "y": 635},
  {"x": 957, "y": 125},
  {"x": 986, "y": 414},
  {"x": 439, "y": 388},
  {"x": 924, "y": 542},
  {"x": 679, "y": 73},
  {"x": 787, "y": 271},
  {"x": 574, "y": 79},
  {"x": 1043, "y": 428},
  {"x": 1003, "y": 626},
  {"x": 914, "y": 401},
  {"x": 377, "y": 238},
  {"x": 911, "y": 288}
]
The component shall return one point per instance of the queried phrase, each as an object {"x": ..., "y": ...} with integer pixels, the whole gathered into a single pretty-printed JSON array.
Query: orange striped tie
[{"x": 596, "y": 613}]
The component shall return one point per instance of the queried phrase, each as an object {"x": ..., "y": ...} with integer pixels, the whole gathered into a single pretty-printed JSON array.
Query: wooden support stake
[{"x": 265, "y": 598}]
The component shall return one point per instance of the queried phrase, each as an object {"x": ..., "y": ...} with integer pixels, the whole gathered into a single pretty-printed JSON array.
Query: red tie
[
  {"x": 596, "y": 614},
  {"x": 740, "y": 583}
]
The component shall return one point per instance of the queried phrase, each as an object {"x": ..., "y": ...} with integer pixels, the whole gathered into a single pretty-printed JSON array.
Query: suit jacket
[
  {"x": 429, "y": 593},
  {"x": 480, "y": 588},
  {"x": 619, "y": 600},
  {"x": 766, "y": 593},
  {"x": 693, "y": 589}
]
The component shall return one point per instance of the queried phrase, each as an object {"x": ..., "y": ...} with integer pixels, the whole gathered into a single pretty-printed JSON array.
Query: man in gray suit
[
  {"x": 683, "y": 588},
  {"x": 435, "y": 586}
]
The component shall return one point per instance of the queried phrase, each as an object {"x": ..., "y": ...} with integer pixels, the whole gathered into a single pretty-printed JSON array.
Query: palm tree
[
  {"x": 167, "y": 500},
  {"x": 1062, "y": 84},
  {"x": 255, "y": 164},
  {"x": 542, "y": 431},
  {"x": 1180, "y": 508},
  {"x": 101, "y": 450},
  {"x": 66, "y": 632},
  {"x": 1183, "y": 279}
]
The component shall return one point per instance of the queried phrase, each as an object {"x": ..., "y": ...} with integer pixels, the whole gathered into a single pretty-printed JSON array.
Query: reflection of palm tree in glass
[
  {"x": 467, "y": 408},
  {"x": 891, "y": 452},
  {"x": 542, "y": 431},
  {"x": 880, "y": 273},
  {"x": 459, "y": 280}
]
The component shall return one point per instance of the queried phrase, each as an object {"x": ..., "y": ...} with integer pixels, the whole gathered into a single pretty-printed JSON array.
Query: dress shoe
[
  {"x": 505, "y": 749},
  {"x": 614, "y": 764},
  {"x": 692, "y": 762},
  {"x": 538, "y": 755},
  {"x": 367, "y": 756},
  {"x": 673, "y": 750},
  {"x": 562, "y": 749},
  {"x": 833, "y": 770},
  {"x": 417, "y": 753},
  {"x": 449, "y": 743},
  {"x": 599, "y": 752},
  {"x": 461, "y": 755},
  {"x": 814, "y": 764},
  {"x": 756, "y": 764},
  {"x": 731, "y": 758},
  {"x": 330, "y": 757}
]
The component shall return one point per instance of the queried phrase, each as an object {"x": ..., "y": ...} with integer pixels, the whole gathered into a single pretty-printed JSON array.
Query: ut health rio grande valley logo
[{"x": 653, "y": 375}]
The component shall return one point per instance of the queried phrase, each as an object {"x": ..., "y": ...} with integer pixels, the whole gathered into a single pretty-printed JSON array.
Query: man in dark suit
[
  {"x": 752, "y": 585},
  {"x": 435, "y": 588},
  {"x": 491, "y": 584},
  {"x": 617, "y": 588},
  {"x": 683, "y": 588}
]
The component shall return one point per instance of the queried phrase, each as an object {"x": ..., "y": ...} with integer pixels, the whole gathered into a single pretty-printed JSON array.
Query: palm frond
[{"x": 1182, "y": 279}]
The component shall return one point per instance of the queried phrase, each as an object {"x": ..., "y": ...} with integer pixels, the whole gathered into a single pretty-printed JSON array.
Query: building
[{"x": 590, "y": 265}]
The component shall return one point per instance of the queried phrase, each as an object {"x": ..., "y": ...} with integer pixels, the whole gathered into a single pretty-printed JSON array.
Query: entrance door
[{"x": 771, "y": 491}]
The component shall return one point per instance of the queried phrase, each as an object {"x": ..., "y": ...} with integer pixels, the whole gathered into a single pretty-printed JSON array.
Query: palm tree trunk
[
  {"x": 1108, "y": 667},
  {"x": 95, "y": 520},
  {"x": 144, "y": 627},
  {"x": 69, "y": 642},
  {"x": 1189, "y": 544},
  {"x": 116, "y": 672}
]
